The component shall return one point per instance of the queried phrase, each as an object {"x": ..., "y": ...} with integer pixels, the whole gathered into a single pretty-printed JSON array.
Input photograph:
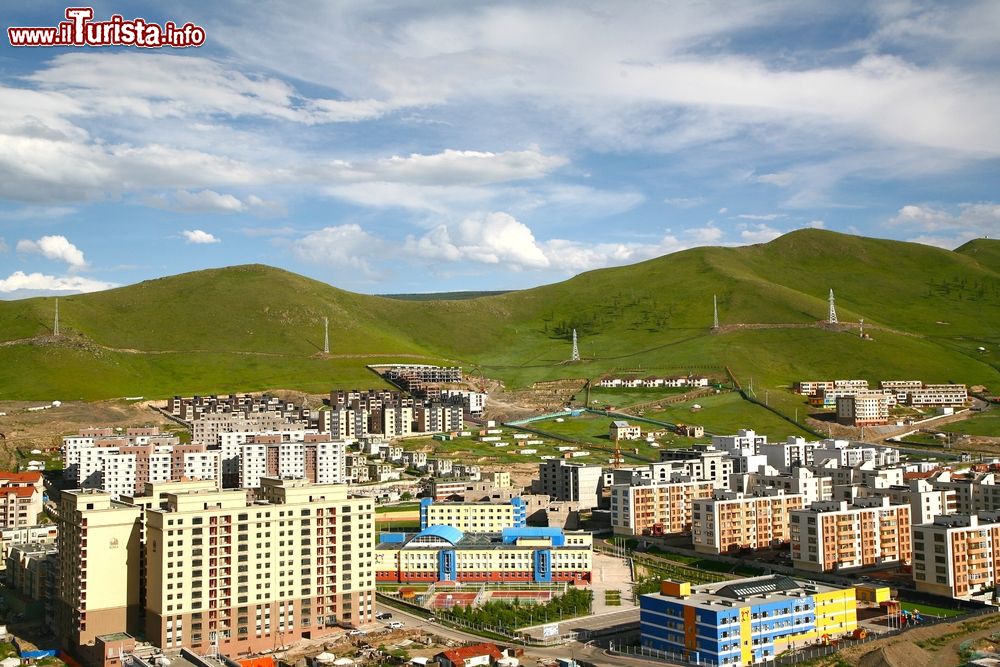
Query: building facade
[
  {"x": 731, "y": 521},
  {"x": 474, "y": 517},
  {"x": 957, "y": 556},
  {"x": 835, "y": 535},
  {"x": 515, "y": 555},
  {"x": 743, "y": 622},
  {"x": 656, "y": 508}
]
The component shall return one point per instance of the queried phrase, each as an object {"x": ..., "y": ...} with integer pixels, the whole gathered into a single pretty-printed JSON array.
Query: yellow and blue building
[{"x": 745, "y": 621}]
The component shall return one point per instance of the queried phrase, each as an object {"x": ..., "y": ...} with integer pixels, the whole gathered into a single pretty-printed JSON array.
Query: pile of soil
[{"x": 898, "y": 654}]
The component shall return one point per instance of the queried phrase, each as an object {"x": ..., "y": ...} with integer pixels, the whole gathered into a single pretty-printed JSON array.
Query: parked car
[
  {"x": 383, "y": 616},
  {"x": 356, "y": 632},
  {"x": 394, "y": 625}
]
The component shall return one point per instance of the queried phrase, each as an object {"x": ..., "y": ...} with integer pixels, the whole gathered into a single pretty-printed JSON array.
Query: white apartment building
[
  {"x": 974, "y": 493},
  {"x": 704, "y": 462},
  {"x": 744, "y": 440},
  {"x": 833, "y": 536},
  {"x": 957, "y": 555},
  {"x": 924, "y": 500},
  {"x": 567, "y": 480},
  {"x": 795, "y": 451},
  {"x": 798, "y": 481}
]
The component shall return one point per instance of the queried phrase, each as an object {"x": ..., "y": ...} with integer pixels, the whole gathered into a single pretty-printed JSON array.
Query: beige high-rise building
[
  {"x": 834, "y": 535},
  {"x": 730, "y": 521},
  {"x": 252, "y": 577},
  {"x": 656, "y": 508},
  {"x": 97, "y": 578},
  {"x": 957, "y": 556}
]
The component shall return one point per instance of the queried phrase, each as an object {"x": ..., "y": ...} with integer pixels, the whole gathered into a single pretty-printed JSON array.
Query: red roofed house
[
  {"x": 20, "y": 499},
  {"x": 469, "y": 656}
]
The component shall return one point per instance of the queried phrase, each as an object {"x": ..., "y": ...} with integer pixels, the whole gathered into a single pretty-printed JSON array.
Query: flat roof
[{"x": 749, "y": 592}]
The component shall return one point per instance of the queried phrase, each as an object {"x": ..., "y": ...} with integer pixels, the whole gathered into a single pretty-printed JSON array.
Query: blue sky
[{"x": 413, "y": 146}]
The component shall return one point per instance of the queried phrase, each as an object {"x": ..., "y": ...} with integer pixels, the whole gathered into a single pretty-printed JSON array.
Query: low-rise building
[
  {"x": 730, "y": 521},
  {"x": 744, "y": 622},
  {"x": 20, "y": 499},
  {"x": 476, "y": 655},
  {"x": 515, "y": 555},
  {"x": 622, "y": 430},
  {"x": 835, "y": 535},
  {"x": 958, "y": 555}
]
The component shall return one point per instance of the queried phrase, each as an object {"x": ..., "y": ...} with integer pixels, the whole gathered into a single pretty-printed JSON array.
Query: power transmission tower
[
  {"x": 715, "y": 306},
  {"x": 861, "y": 328},
  {"x": 326, "y": 336},
  {"x": 55, "y": 327},
  {"x": 833, "y": 310},
  {"x": 576, "y": 349}
]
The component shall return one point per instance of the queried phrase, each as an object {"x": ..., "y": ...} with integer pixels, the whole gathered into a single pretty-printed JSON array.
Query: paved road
[{"x": 574, "y": 650}]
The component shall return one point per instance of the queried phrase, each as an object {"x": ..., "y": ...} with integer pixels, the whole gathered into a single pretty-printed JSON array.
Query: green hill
[{"x": 255, "y": 327}]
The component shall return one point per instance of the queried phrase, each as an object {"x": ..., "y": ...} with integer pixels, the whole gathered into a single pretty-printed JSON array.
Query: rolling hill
[{"x": 255, "y": 327}]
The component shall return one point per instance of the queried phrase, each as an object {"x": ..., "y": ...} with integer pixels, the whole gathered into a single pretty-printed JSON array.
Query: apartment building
[
  {"x": 974, "y": 493},
  {"x": 30, "y": 571},
  {"x": 870, "y": 408},
  {"x": 20, "y": 499},
  {"x": 567, "y": 480},
  {"x": 656, "y": 507},
  {"x": 652, "y": 382},
  {"x": 197, "y": 407},
  {"x": 290, "y": 566},
  {"x": 795, "y": 451},
  {"x": 815, "y": 387},
  {"x": 799, "y": 480},
  {"x": 743, "y": 622},
  {"x": 848, "y": 453},
  {"x": 315, "y": 459},
  {"x": 474, "y": 517},
  {"x": 730, "y": 521},
  {"x": 835, "y": 535},
  {"x": 515, "y": 555},
  {"x": 97, "y": 578},
  {"x": 700, "y": 462},
  {"x": 957, "y": 556},
  {"x": 208, "y": 429},
  {"x": 41, "y": 534},
  {"x": 744, "y": 440},
  {"x": 924, "y": 500},
  {"x": 91, "y": 438}
]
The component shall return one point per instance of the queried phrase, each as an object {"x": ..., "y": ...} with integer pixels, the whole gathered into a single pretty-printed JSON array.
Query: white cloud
[
  {"x": 38, "y": 281},
  {"x": 761, "y": 216},
  {"x": 159, "y": 85},
  {"x": 781, "y": 179},
  {"x": 496, "y": 238},
  {"x": 684, "y": 202},
  {"x": 759, "y": 234},
  {"x": 816, "y": 224},
  {"x": 210, "y": 201},
  {"x": 347, "y": 246},
  {"x": 198, "y": 236},
  {"x": 54, "y": 247},
  {"x": 3, "y": 245},
  {"x": 946, "y": 229},
  {"x": 707, "y": 235},
  {"x": 455, "y": 167},
  {"x": 984, "y": 216}
]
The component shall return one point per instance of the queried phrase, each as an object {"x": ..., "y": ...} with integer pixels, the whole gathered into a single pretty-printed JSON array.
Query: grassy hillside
[{"x": 254, "y": 327}]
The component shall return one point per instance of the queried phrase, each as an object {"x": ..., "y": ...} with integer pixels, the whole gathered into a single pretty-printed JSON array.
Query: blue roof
[{"x": 447, "y": 533}]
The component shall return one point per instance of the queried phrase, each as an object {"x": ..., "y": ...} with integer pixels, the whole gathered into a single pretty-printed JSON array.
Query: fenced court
[
  {"x": 447, "y": 600},
  {"x": 532, "y": 597}
]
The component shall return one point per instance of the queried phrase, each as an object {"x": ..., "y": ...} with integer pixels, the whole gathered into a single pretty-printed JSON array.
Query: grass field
[
  {"x": 188, "y": 334},
  {"x": 621, "y": 398},
  {"x": 930, "y": 610},
  {"x": 726, "y": 413},
  {"x": 985, "y": 423}
]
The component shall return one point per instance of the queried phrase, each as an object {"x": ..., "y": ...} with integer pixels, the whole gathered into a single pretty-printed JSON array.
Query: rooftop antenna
[
  {"x": 55, "y": 327},
  {"x": 576, "y": 349},
  {"x": 833, "y": 310},
  {"x": 326, "y": 336},
  {"x": 715, "y": 306}
]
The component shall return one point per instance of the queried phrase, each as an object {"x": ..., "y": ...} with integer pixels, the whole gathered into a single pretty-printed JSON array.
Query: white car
[
  {"x": 356, "y": 632},
  {"x": 395, "y": 625}
]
